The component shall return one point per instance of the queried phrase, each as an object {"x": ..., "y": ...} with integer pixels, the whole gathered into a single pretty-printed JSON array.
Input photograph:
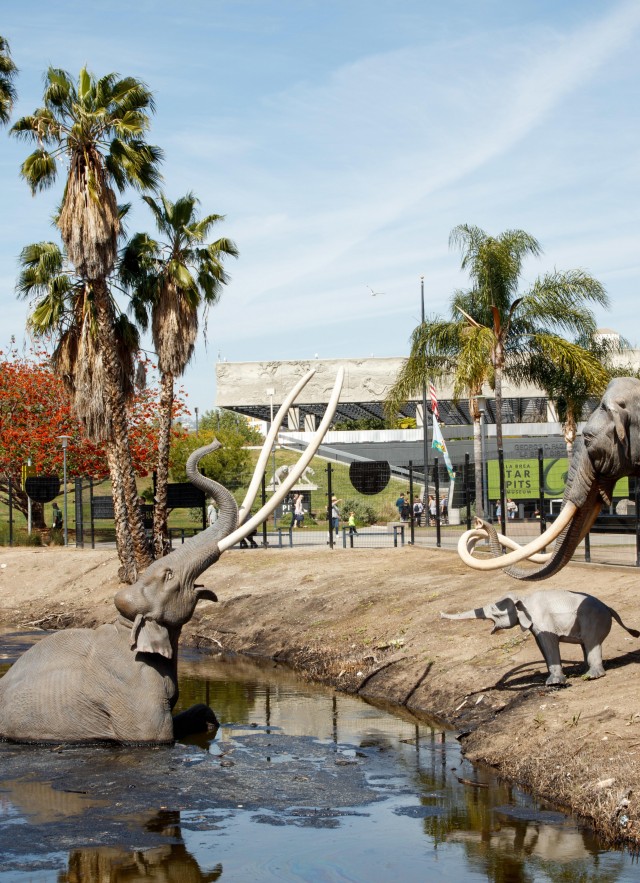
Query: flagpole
[{"x": 425, "y": 421}]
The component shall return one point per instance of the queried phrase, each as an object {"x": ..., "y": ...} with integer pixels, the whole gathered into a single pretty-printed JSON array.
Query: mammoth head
[
  {"x": 505, "y": 614},
  {"x": 159, "y": 604},
  {"x": 609, "y": 450},
  {"x": 611, "y": 434},
  {"x": 165, "y": 596}
]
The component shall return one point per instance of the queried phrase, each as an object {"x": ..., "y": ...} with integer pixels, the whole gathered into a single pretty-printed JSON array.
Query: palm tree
[
  {"x": 572, "y": 390},
  {"x": 446, "y": 349},
  {"x": 97, "y": 126},
  {"x": 63, "y": 311},
  {"x": 494, "y": 331},
  {"x": 170, "y": 281},
  {"x": 521, "y": 327},
  {"x": 8, "y": 71}
]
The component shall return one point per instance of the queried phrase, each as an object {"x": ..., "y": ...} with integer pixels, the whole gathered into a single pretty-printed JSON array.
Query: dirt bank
[{"x": 368, "y": 622}]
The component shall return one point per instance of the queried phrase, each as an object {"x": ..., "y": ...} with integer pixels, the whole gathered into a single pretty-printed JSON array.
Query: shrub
[{"x": 364, "y": 514}]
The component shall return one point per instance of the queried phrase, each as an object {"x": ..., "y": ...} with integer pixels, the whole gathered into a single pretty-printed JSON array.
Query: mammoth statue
[
  {"x": 119, "y": 682},
  {"x": 609, "y": 450},
  {"x": 552, "y": 617}
]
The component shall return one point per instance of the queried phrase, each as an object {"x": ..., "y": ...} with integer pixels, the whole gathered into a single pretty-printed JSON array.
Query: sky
[{"x": 343, "y": 140}]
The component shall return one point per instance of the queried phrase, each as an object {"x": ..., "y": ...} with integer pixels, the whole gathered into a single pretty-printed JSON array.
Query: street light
[
  {"x": 196, "y": 410},
  {"x": 65, "y": 440},
  {"x": 271, "y": 392},
  {"x": 425, "y": 422}
]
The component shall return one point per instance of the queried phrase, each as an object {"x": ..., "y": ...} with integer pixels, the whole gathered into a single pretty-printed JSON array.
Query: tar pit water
[{"x": 299, "y": 783}]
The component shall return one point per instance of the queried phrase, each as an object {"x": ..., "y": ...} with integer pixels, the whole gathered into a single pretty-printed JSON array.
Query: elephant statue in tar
[
  {"x": 608, "y": 450},
  {"x": 552, "y": 617},
  {"x": 119, "y": 682}
]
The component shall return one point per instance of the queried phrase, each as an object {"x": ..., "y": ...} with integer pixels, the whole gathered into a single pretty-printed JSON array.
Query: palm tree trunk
[
  {"x": 124, "y": 543},
  {"x": 570, "y": 429},
  {"x": 119, "y": 431},
  {"x": 160, "y": 513},
  {"x": 478, "y": 465}
]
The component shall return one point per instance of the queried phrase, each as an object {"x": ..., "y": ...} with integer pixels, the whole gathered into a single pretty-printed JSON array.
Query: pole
[
  {"x": 271, "y": 392},
  {"x": 436, "y": 477},
  {"x": 29, "y": 513},
  {"x": 64, "y": 439},
  {"x": 79, "y": 514},
  {"x": 467, "y": 490},
  {"x": 10, "y": 511},
  {"x": 196, "y": 410},
  {"x": 425, "y": 421},
  {"x": 543, "y": 517},
  {"x": 503, "y": 507},
  {"x": 411, "y": 518},
  {"x": 329, "y": 504},
  {"x": 64, "y": 474},
  {"x": 484, "y": 505}
]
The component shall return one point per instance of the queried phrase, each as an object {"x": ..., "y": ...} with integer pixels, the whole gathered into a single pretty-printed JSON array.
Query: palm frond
[{"x": 8, "y": 72}]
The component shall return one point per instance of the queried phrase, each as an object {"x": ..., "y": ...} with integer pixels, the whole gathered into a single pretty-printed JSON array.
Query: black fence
[{"x": 371, "y": 492}]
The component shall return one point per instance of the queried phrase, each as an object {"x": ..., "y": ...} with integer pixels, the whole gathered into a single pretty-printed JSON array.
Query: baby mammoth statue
[{"x": 554, "y": 616}]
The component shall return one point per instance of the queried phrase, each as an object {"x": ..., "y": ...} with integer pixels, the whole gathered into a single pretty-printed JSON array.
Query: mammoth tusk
[
  {"x": 294, "y": 474},
  {"x": 247, "y": 503},
  {"x": 468, "y": 540}
]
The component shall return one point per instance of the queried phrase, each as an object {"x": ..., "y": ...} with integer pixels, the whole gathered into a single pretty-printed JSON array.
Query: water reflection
[
  {"x": 167, "y": 863},
  {"x": 271, "y": 798}
]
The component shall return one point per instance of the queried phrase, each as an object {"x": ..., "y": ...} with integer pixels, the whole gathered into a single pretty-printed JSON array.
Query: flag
[
  {"x": 439, "y": 445},
  {"x": 434, "y": 401}
]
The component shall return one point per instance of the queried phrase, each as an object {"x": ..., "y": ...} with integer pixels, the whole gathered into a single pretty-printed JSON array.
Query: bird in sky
[{"x": 374, "y": 293}]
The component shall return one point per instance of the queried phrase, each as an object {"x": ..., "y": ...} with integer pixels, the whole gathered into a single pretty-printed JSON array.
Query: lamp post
[
  {"x": 425, "y": 421},
  {"x": 65, "y": 441},
  {"x": 271, "y": 392},
  {"x": 196, "y": 411}
]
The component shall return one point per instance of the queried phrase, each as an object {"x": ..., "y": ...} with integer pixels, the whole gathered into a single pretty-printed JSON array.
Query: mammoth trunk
[{"x": 585, "y": 492}]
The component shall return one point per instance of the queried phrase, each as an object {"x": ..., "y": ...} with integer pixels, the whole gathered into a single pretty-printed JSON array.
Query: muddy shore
[{"x": 368, "y": 622}]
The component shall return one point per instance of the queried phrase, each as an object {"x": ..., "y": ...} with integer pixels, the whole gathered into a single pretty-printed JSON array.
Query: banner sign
[{"x": 521, "y": 479}]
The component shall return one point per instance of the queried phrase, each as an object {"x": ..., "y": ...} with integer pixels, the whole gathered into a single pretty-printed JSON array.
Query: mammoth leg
[
  {"x": 549, "y": 646},
  {"x": 593, "y": 660}
]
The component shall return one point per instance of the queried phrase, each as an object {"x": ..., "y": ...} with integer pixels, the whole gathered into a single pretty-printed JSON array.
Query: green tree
[
  {"x": 170, "y": 281},
  {"x": 62, "y": 310},
  {"x": 445, "y": 349},
  {"x": 230, "y": 465},
  {"x": 510, "y": 328},
  {"x": 8, "y": 72},
  {"x": 223, "y": 419},
  {"x": 494, "y": 331},
  {"x": 572, "y": 390},
  {"x": 97, "y": 128}
]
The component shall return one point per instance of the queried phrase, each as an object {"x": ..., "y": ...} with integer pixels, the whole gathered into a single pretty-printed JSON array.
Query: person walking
[
  {"x": 352, "y": 524},
  {"x": 335, "y": 516},
  {"x": 400, "y": 504},
  {"x": 418, "y": 511},
  {"x": 298, "y": 511}
]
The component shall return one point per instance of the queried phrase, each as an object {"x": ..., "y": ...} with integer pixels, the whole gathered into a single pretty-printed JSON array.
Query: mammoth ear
[
  {"x": 523, "y": 615},
  {"x": 619, "y": 423},
  {"x": 205, "y": 594},
  {"x": 148, "y": 636}
]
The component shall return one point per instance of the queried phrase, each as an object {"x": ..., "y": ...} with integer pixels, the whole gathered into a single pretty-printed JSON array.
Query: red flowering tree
[{"x": 35, "y": 410}]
